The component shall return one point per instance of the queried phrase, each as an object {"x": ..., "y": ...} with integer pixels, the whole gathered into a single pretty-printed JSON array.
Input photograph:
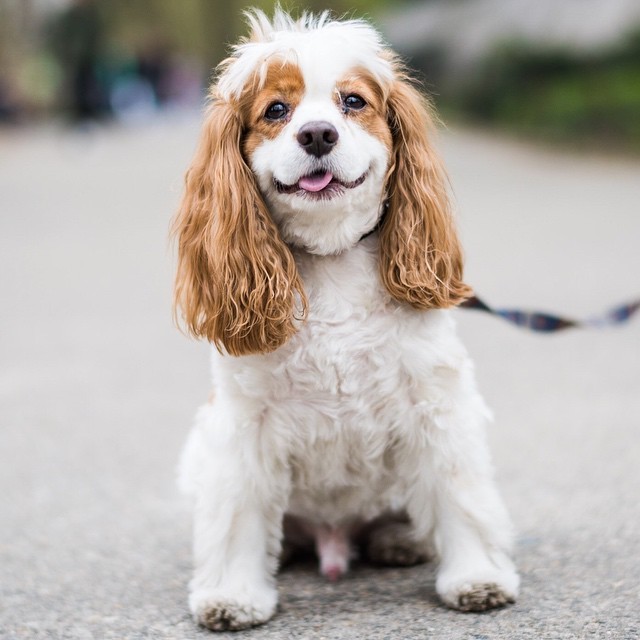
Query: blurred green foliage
[
  {"x": 47, "y": 51},
  {"x": 204, "y": 28},
  {"x": 555, "y": 94},
  {"x": 559, "y": 95}
]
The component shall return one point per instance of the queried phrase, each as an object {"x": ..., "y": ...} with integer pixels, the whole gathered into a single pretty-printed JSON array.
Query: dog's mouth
[{"x": 319, "y": 185}]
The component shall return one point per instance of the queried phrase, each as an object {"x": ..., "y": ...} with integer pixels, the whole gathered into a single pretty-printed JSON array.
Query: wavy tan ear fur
[
  {"x": 237, "y": 283},
  {"x": 420, "y": 254}
]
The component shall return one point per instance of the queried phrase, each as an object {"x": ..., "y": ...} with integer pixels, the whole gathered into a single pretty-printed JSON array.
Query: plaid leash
[{"x": 547, "y": 323}]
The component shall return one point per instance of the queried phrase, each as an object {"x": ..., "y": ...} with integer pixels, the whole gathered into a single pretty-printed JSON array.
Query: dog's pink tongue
[{"x": 315, "y": 182}]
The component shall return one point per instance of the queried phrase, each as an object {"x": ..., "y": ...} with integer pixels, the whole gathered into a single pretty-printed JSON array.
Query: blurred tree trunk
[{"x": 221, "y": 24}]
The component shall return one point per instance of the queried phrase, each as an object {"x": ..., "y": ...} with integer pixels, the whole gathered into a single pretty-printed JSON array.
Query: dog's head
[{"x": 313, "y": 131}]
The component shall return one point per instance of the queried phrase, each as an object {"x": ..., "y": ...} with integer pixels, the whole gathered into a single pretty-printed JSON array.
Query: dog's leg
[
  {"x": 456, "y": 498},
  {"x": 393, "y": 542},
  {"x": 239, "y": 504}
]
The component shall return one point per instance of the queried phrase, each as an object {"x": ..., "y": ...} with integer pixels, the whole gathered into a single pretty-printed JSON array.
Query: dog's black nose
[{"x": 317, "y": 138}]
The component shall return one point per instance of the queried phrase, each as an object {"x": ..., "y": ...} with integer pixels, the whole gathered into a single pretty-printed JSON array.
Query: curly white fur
[{"x": 370, "y": 409}]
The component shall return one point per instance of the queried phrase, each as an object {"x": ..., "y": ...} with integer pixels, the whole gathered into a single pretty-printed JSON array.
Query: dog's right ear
[{"x": 237, "y": 283}]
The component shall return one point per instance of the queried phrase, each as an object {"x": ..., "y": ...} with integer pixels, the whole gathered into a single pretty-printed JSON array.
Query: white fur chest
[{"x": 347, "y": 398}]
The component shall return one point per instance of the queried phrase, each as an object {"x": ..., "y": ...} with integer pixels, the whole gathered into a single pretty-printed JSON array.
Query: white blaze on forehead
[{"x": 323, "y": 50}]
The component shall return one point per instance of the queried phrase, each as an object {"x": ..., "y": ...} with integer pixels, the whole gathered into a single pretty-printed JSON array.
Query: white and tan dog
[{"x": 317, "y": 252}]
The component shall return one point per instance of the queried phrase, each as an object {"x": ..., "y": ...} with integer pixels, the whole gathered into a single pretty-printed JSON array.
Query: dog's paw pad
[
  {"x": 228, "y": 614},
  {"x": 482, "y": 597}
]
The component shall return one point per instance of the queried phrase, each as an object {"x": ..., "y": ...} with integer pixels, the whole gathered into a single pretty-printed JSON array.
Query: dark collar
[{"x": 378, "y": 224}]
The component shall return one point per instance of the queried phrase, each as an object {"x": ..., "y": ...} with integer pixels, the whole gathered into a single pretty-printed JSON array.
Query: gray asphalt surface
[{"x": 98, "y": 389}]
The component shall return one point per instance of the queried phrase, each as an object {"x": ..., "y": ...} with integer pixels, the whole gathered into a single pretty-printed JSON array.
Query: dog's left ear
[{"x": 421, "y": 257}]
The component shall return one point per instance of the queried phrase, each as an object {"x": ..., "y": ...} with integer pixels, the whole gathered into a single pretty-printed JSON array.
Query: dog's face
[
  {"x": 313, "y": 129},
  {"x": 319, "y": 144}
]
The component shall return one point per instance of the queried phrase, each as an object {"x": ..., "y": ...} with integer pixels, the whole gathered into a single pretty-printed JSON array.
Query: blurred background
[
  {"x": 100, "y": 111},
  {"x": 563, "y": 71}
]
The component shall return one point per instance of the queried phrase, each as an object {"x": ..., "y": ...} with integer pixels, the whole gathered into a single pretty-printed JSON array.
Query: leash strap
[
  {"x": 548, "y": 323},
  {"x": 535, "y": 320}
]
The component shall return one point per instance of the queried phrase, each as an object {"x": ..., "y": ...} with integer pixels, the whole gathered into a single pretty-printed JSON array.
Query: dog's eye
[
  {"x": 276, "y": 111},
  {"x": 354, "y": 102}
]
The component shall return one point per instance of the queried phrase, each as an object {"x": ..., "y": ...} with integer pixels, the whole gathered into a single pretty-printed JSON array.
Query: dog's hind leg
[{"x": 393, "y": 542}]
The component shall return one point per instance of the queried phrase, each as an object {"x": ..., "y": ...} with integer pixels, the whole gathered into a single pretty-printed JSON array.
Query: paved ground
[{"x": 97, "y": 390}]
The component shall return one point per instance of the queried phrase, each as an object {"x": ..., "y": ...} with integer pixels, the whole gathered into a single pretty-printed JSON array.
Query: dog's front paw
[
  {"x": 478, "y": 593},
  {"x": 223, "y": 610}
]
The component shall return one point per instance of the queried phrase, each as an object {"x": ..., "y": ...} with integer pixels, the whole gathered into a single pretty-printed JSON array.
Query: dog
[{"x": 317, "y": 252}]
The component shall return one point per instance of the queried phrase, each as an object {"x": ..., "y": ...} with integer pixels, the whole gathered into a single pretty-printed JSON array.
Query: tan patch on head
[
  {"x": 373, "y": 118},
  {"x": 283, "y": 83}
]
